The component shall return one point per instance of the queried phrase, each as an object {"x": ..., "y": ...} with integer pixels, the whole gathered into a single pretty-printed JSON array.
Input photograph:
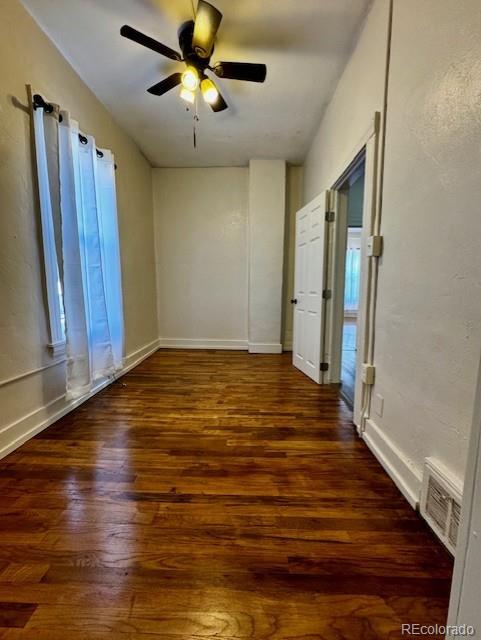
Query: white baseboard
[
  {"x": 208, "y": 343},
  {"x": 265, "y": 347},
  {"x": 202, "y": 343},
  {"x": 402, "y": 471},
  {"x": 136, "y": 357},
  {"x": 17, "y": 433}
]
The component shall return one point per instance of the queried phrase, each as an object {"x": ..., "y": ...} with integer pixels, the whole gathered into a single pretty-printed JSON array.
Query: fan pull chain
[{"x": 195, "y": 121}]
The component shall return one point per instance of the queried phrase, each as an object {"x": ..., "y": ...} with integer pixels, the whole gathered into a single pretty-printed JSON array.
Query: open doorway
[
  {"x": 323, "y": 306},
  {"x": 353, "y": 191}
]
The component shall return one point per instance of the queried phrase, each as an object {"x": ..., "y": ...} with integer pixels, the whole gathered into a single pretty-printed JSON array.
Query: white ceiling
[{"x": 304, "y": 43}]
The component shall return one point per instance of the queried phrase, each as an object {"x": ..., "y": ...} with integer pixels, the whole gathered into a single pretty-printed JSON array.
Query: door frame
[
  {"x": 464, "y": 597},
  {"x": 367, "y": 149}
]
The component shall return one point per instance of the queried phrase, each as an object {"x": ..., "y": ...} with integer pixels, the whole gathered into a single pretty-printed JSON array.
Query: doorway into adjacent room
[
  {"x": 333, "y": 295},
  {"x": 353, "y": 190}
]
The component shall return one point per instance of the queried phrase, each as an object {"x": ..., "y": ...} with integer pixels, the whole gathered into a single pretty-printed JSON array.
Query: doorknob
[{"x": 294, "y": 301}]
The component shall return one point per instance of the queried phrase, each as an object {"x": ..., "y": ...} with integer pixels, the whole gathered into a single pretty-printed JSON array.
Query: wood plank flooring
[{"x": 210, "y": 495}]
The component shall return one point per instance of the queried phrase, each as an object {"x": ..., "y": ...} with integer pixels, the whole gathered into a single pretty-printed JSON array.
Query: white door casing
[
  {"x": 464, "y": 602},
  {"x": 365, "y": 316},
  {"x": 309, "y": 279}
]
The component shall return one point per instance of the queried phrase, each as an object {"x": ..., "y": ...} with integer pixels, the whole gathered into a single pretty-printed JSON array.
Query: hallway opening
[{"x": 353, "y": 191}]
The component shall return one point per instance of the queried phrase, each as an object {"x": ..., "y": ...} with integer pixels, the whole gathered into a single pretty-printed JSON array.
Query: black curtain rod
[{"x": 39, "y": 102}]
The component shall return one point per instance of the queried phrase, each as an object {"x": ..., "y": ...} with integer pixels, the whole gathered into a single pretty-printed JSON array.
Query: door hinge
[
  {"x": 324, "y": 366},
  {"x": 327, "y": 294},
  {"x": 368, "y": 373},
  {"x": 330, "y": 216},
  {"x": 374, "y": 246}
]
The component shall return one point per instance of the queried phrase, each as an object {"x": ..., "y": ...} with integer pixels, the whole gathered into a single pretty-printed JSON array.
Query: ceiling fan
[{"x": 196, "y": 41}]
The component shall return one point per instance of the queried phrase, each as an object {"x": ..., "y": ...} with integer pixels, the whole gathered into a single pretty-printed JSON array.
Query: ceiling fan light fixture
[
  {"x": 196, "y": 42},
  {"x": 190, "y": 79},
  {"x": 187, "y": 95},
  {"x": 209, "y": 91}
]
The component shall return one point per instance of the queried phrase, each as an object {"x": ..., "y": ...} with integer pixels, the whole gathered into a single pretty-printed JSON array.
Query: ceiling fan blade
[
  {"x": 166, "y": 84},
  {"x": 207, "y": 21},
  {"x": 241, "y": 71},
  {"x": 150, "y": 43},
  {"x": 220, "y": 104}
]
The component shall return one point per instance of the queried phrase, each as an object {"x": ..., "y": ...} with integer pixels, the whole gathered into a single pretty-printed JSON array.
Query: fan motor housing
[{"x": 191, "y": 57}]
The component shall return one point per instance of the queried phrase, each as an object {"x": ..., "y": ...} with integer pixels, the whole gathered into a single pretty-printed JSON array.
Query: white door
[{"x": 308, "y": 288}]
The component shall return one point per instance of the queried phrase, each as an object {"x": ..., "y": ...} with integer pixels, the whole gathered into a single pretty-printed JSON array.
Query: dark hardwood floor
[{"x": 210, "y": 495}]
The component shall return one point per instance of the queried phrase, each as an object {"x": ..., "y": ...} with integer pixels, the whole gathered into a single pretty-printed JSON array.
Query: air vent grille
[
  {"x": 441, "y": 502},
  {"x": 437, "y": 504},
  {"x": 454, "y": 523}
]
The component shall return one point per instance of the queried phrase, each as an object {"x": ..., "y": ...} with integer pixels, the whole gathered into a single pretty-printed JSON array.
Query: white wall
[
  {"x": 359, "y": 94},
  {"x": 267, "y": 212},
  {"x": 202, "y": 245},
  {"x": 428, "y": 327},
  {"x": 428, "y": 315},
  {"x": 201, "y": 239}
]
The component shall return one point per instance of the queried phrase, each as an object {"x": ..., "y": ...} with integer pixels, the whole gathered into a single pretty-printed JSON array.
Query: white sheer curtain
[
  {"x": 90, "y": 257},
  {"x": 45, "y": 128},
  {"x": 104, "y": 175},
  {"x": 74, "y": 284}
]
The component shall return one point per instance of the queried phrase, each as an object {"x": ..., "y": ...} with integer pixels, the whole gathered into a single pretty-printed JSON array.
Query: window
[
  {"x": 353, "y": 267},
  {"x": 81, "y": 248}
]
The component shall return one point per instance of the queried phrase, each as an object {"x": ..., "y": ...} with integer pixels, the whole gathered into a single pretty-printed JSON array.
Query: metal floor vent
[{"x": 441, "y": 502}]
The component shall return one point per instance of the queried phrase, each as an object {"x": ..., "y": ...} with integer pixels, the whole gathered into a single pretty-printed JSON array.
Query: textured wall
[
  {"x": 28, "y": 57},
  {"x": 428, "y": 329},
  {"x": 201, "y": 239},
  {"x": 267, "y": 212},
  {"x": 201, "y": 229},
  {"x": 428, "y": 317},
  {"x": 359, "y": 94}
]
